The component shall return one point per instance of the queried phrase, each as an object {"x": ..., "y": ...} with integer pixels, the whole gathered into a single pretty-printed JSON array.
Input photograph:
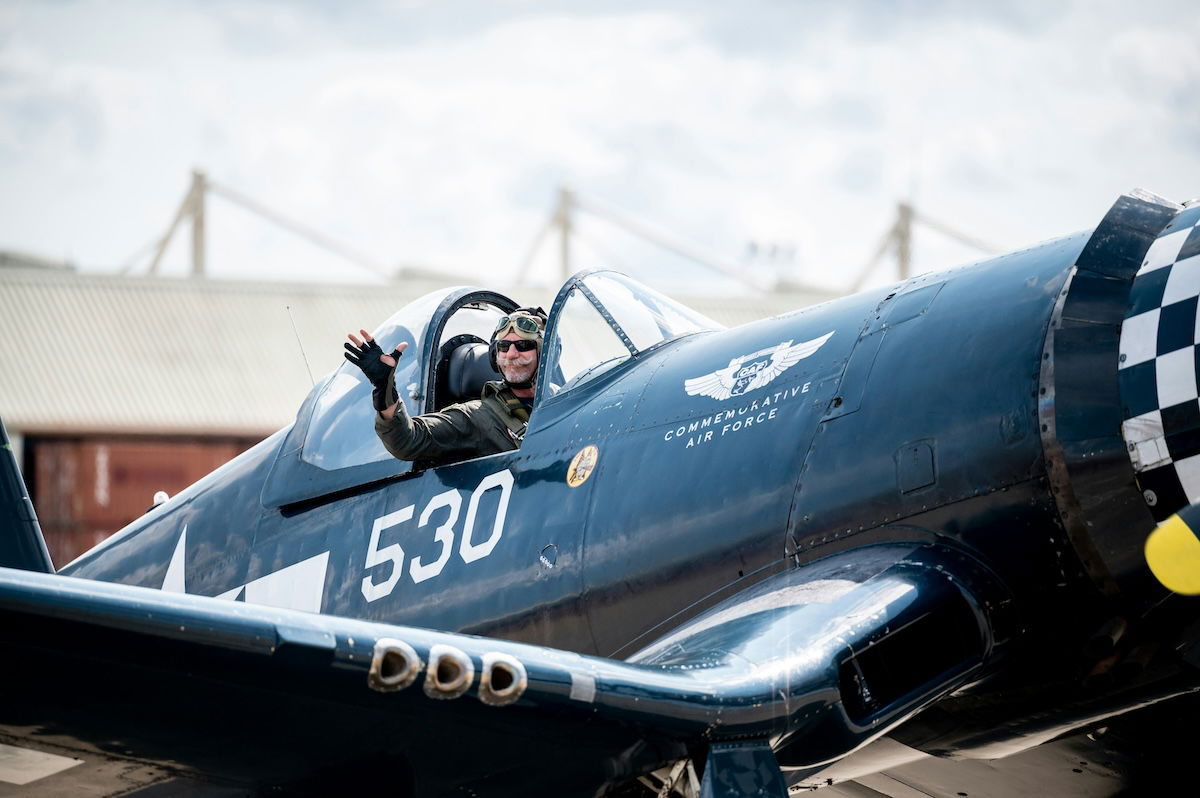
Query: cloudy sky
[{"x": 437, "y": 134}]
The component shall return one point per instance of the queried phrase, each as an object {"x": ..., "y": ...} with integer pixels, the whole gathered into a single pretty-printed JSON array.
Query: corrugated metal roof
[{"x": 91, "y": 352}]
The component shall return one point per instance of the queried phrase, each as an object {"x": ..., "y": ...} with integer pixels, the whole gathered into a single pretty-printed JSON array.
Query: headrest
[{"x": 468, "y": 369}]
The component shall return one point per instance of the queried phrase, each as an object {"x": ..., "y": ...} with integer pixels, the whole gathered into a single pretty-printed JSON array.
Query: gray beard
[{"x": 526, "y": 383}]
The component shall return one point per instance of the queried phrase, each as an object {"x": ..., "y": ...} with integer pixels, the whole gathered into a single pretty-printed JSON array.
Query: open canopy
[{"x": 599, "y": 320}]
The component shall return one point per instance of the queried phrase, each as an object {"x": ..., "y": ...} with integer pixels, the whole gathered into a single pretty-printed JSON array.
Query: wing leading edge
[{"x": 250, "y": 695}]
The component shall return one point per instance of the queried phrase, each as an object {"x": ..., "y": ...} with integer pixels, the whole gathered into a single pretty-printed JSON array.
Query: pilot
[{"x": 493, "y": 423}]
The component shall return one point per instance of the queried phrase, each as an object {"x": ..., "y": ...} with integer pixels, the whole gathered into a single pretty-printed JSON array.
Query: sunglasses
[
  {"x": 523, "y": 323},
  {"x": 522, "y": 346}
]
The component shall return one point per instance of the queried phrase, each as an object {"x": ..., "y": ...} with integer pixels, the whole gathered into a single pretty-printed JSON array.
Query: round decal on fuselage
[{"x": 582, "y": 465}]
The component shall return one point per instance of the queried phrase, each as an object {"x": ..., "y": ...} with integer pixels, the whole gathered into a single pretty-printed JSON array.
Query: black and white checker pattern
[{"x": 1159, "y": 361}]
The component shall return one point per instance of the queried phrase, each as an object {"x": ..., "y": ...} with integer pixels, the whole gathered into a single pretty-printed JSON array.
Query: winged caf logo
[{"x": 755, "y": 370}]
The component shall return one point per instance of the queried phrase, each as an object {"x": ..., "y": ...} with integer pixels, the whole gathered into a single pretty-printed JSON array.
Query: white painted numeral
[
  {"x": 470, "y": 552},
  {"x": 393, "y": 554},
  {"x": 444, "y": 535}
]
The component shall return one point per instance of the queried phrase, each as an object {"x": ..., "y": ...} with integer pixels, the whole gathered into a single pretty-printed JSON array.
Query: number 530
[{"x": 444, "y": 534}]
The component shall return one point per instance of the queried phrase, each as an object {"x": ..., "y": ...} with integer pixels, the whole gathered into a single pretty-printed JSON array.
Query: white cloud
[{"x": 420, "y": 140}]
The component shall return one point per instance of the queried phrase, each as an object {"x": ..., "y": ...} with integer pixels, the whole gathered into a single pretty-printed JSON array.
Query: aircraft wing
[
  {"x": 220, "y": 695},
  {"x": 112, "y": 687}
]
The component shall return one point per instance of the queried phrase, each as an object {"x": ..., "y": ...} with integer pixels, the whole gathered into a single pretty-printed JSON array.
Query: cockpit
[{"x": 599, "y": 321}]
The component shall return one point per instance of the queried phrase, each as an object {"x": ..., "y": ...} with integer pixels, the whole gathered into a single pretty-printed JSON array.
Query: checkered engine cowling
[{"x": 1159, "y": 353}]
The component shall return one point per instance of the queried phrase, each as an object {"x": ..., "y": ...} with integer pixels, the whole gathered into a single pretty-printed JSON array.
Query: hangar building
[{"x": 115, "y": 387}]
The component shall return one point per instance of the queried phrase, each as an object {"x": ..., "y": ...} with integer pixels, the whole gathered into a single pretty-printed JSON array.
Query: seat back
[{"x": 467, "y": 369}]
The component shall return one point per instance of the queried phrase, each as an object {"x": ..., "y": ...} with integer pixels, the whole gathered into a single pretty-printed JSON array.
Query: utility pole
[
  {"x": 903, "y": 233},
  {"x": 192, "y": 205},
  {"x": 199, "y": 189},
  {"x": 562, "y": 217},
  {"x": 560, "y": 220},
  {"x": 898, "y": 238}
]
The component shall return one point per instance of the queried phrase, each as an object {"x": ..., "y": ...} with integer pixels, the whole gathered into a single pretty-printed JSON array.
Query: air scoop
[{"x": 887, "y": 630}]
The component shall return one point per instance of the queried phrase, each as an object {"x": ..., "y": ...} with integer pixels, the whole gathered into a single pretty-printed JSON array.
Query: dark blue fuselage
[
  {"x": 916, "y": 418},
  {"x": 917, "y": 512}
]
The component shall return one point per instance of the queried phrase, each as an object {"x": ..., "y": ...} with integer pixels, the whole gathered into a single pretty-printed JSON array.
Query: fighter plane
[{"x": 888, "y": 545}]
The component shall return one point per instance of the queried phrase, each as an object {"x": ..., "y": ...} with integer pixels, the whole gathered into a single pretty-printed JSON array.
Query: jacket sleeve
[{"x": 431, "y": 435}]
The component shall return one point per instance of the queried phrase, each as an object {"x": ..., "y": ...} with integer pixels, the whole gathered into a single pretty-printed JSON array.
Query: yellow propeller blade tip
[{"x": 1173, "y": 554}]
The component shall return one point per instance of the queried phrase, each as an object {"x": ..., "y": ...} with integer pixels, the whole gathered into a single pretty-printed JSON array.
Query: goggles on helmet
[
  {"x": 523, "y": 323},
  {"x": 523, "y": 345}
]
